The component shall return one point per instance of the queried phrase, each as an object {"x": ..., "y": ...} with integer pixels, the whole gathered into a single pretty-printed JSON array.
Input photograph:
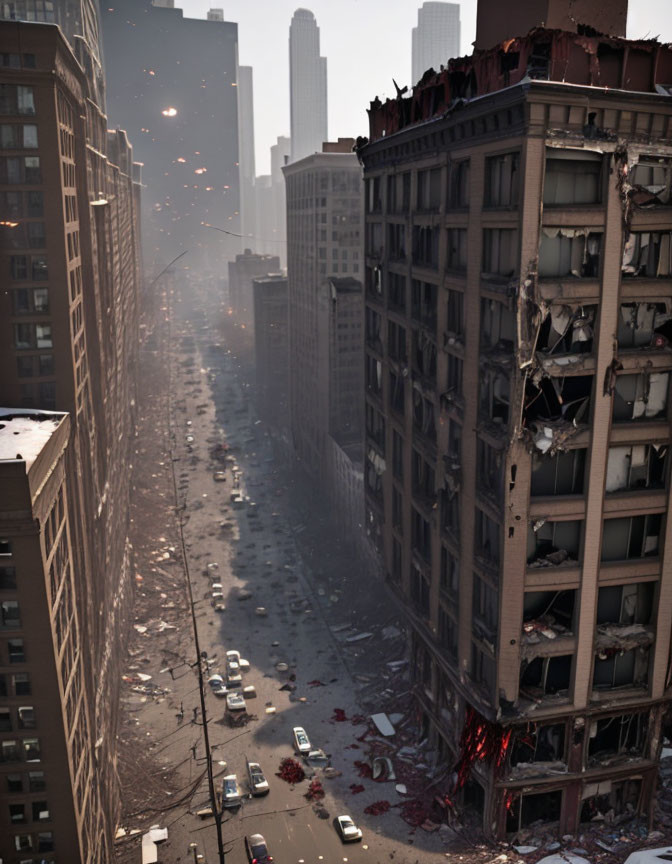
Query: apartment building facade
[
  {"x": 246, "y": 267},
  {"x": 271, "y": 354},
  {"x": 518, "y": 297},
  {"x": 70, "y": 261},
  {"x": 44, "y": 762}
]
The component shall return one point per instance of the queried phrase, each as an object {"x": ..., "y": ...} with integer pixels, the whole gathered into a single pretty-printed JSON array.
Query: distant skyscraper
[
  {"x": 246, "y": 151},
  {"x": 436, "y": 38},
  {"x": 307, "y": 86},
  {"x": 280, "y": 155}
]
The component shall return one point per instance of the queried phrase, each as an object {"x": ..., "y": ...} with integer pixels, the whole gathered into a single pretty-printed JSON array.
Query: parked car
[
  {"x": 217, "y": 685},
  {"x": 347, "y": 829},
  {"x": 256, "y": 849},
  {"x": 230, "y": 791},
  {"x": 235, "y": 701},
  {"x": 216, "y": 586},
  {"x": 301, "y": 740},
  {"x": 219, "y": 476},
  {"x": 233, "y": 675},
  {"x": 258, "y": 783},
  {"x": 220, "y": 607},
  {"x": 233, "y": 655}
]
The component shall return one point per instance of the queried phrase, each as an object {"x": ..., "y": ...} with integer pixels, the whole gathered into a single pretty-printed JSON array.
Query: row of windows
[
  {"x": 36, "y": 811},
  {"x": 25, "y": 235},
  {"x": 16, "y": 99},
  {"x": 17, "y": 684},
  {"x": 24, "y": 170},
  {"x": 24, "y": 718},
  {"x": 20, "y": 750},
  {"x": 18, "y": 205},
  {"x": 18, "y": 136},
  {"x": 33, "y": 268},
  {"x": 30, "y": 336},
  {"x": 15, "y": 61}
]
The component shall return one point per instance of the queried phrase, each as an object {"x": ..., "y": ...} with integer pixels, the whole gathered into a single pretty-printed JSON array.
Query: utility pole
[{"x": 199, "y": 660}]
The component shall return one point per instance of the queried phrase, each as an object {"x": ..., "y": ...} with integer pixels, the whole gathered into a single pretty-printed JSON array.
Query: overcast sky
[{"x": 366, "y": 42}]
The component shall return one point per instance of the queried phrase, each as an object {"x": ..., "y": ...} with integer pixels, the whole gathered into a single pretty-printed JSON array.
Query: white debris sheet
[
  {"x": 383, "y": 725},
  {"x": 155, "y": 835}
]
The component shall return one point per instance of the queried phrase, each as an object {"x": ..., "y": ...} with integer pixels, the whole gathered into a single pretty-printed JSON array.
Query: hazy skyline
[{"x": 366, "y": 43}]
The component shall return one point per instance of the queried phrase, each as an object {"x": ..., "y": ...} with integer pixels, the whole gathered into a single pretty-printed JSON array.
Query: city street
[{"x": 294, "y": 595}]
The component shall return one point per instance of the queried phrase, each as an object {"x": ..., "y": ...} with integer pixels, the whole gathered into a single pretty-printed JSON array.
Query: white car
[
  {"x": 233, "y": 675},
  {"x": 301, "y": 740},
  {"x": 217, "y": 685},
  {"x": 258, "y": 783},
  {"x": 216, "y": 586},
  {"x": 347, "y": 829},
  {"x": 233, "y": 655},
  {"x": 220, "y": 607},
  {"x": 235, "y": 701},
  {"x": 230, "y": 791}
]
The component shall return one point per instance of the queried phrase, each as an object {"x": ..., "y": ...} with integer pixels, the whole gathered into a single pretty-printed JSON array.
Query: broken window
[
  {"x": 483, "y": 669},
  {"x": 626, "y": 604},
  {"x": 372, "y": 326},
  {"x": 555, "y": 398},
  {"x": 547, "y": 675},
  {"x": 543, "y": 807},
  {"x": 396, "y": 341},
  {"x": 501, "y": 180},
  {"x": 650, "y": 180},
  {"x": 449, "y": 574},
  {"x": 396, "y": 242},
  {"x": 572, "y": 177},
  {"x": 422, "y": 477},
  {"x": 454, "y": 375},
  {"x": 447, "y": 632},
  {"x": 396, "y": 393},
  {"x": 450, "y": 512},
  {"x": 644, "y": 325},
  {"x": 539, "y": 744},
  {"x": 457, "y": 250},
  {"x": 426, "y": 246},
  {"x": 429, "y": 189},
  {"x": 498, "y": 325},
  {"x": 567, "y": 331},
  {"x": 561, "y": 474},
  {"x": 458, "y": 193},
  {"x": 548, "y": 610},
  {"x": 648, "y": 254},
  {"x": 424, "y": 355},
  {"x": 631, "y": 537},
  {"x": 423, "y": 302},
  {"x": 375, "y": 426},
  {"x": 397, "y": 455},
  {"x": 423, "y": 415},
  {"x": 621, "y": 669},
  {"x": 485, "y": 610},
  {"x": 421, "y": 536},
  {"x": 494, "y": 396},
  {"x": 396, "y": 291},
  {"x": 455, "y": 312},
  {"x": 375, "y": 468},
  {"x": 569, "y": 252},
  {"x": 489, "y": 468},
  {"x": 638, "y": 466},
  {"x": 500, "y": 252},
  {"x": 419, "y": 589},
  {"x": 374, "y": 374},
  {"x": 642, "y": 396},
  {"x": 552, "y": 543},
  {"x": 610, "y": 798},
  {"x": 486, "y": 538},
  {"x": 623, "y": 735}
]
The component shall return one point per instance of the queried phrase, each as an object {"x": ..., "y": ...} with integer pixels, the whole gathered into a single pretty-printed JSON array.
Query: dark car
[{"x": 257, "y": 850}]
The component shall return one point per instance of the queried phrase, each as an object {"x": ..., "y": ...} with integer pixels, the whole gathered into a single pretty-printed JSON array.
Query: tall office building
[
  {"x": 70, "y": 268},
  {"x": 246, "y": 267},
  {"x": 307, "y": 86},
  {"x": 172, "y": 87},
  {"x": 280, "y": 155},
  {"x": 324, "y": 240},
  {"x": 246, "y": 154},
  {"x": 518, "y": 365},
  {"x": 436, "y": 39},
  {"x": 271, "y": 354}
]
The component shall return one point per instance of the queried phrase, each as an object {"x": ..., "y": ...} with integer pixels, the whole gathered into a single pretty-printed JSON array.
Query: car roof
[
  {"x": 257, "y": 839},
  {"x": 299, "y": 729}
]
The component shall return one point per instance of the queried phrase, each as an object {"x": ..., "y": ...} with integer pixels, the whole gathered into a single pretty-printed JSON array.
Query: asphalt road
[{"x": 259, "y": 555}]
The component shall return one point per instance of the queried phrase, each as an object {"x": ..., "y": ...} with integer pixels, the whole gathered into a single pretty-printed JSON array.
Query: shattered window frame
[
  {"x": 633, "y": 467},
  {"x": 647, "y": 255},
  {"x": 494, "y": 402},
  {"x": 570, "y": 253},
  {"x": 501, "y": 254},
  {"x": 487, "y": 539},
  {"x": 625, "y": 670},
  {"x": 537, "y": 743},
  {"x": 497, "y": 325},
  {"x": 558, "y": 554},
  {"x": 567, "y": 330},
  {"x": 517, "y": 820},
  {"x": 644, "y": 324},
  {"x": 610, "y": 795},
  {"x": 490, "y": 468},
  {"x": 485, "y": 609},
  {"x": 544, "y": 664},
  {"x": 419, "y": 590},
  {"x": 636, "y": 390},
  {"x": 483, "y": 670},
  {"x": 624, "y": 725},
  {"x": 424, "y": 355},
  {"x": 650, "y": 180},
  {"x": 456, "y": 250}
]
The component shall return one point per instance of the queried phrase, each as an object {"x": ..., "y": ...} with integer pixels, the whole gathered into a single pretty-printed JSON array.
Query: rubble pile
[
  {"x": 315, "y": 791},
  {"x": 291, "y": 771},
  {"x": 377, "y": 808}
]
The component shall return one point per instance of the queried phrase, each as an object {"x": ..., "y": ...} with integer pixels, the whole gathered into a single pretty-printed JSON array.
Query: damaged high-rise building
[
  {"x": 518, "y": 360},
  {"x": 70, "y": 265}
]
